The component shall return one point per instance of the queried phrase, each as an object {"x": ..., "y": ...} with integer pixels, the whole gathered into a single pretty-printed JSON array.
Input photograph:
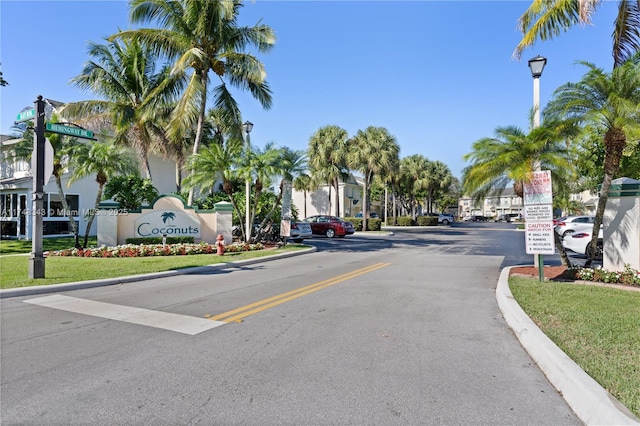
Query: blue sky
[{"x": 439, "y": 75}]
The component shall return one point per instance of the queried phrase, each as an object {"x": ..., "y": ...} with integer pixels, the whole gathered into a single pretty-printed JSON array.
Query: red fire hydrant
[{"x": 220, "y": 244}]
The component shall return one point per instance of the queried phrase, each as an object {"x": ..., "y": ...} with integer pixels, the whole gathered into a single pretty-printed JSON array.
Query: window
[
  {"x": 9, "y": 205},
  {"x": 56, "y": 209},
  {"x": 55, "y": 227}
]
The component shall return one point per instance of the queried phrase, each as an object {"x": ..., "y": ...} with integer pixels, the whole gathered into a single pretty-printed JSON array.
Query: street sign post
[
  {"x": 62, "y": 129},
  {"x": 538, "y": 208},
  {"x": 26, "y": 115}
]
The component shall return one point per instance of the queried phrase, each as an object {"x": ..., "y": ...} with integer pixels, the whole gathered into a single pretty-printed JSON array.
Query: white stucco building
[{"x": 16, "y": 192}]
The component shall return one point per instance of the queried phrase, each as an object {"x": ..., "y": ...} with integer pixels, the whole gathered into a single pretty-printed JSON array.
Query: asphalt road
[{"x": 401, "y": 329}]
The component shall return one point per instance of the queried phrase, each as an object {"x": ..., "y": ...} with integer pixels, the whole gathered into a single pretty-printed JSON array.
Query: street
[{"x": 400, "y": 329}]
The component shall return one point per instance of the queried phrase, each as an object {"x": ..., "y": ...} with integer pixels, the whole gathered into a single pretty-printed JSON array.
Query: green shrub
[
  {"x": 427, "y": 221},
  {"x": 374, "y": 224},
  {"x": 357, "y": 222},
  {"x": 158, "y": 240},
  {"x": 405, "y": 221}
]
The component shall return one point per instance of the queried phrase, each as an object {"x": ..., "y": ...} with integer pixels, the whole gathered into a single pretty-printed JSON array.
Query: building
[
  {"x": 16, "y": 192},
  {"x": 508, "y": 202},
  {"x": 322, "y": 199}
]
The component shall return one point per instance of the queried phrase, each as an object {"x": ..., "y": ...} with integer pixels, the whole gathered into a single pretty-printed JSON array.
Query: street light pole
[
  {"x": 537, "y": 66},
  {"x": 247, "y": 127}
]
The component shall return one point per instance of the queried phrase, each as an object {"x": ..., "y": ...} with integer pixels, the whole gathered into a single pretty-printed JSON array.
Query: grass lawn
[
  {"x": 14, "y": 270},
  {"x": 597, "y": 327},
  {"x": 48, "y": 244}
]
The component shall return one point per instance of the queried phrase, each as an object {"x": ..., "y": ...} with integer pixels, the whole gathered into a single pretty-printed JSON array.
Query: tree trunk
[
  {"x": 145, "y": 161},
  {"x": 394, "y": 205},
  {"x": 563, "y": 253},
  {"x": 200, "y": 126},
  {"x": 614, "y": 143},
  {"x": 305, "y": 203},
  {"x": 67, "y": 211},
  {"x": 336, "y": 185},
  {"x": 365, "y": 203},
  {"x": 92, "y": 215},
  {"x": 179, "y": 166}
]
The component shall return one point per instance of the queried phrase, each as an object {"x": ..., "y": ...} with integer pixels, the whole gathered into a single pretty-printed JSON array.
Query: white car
[
  {"x": 570, "y": 224},
  {"x": 578, "y": 242},
  {"x": 299, "y": 231}
]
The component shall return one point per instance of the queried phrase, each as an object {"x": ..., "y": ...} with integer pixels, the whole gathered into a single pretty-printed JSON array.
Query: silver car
[
  {"x": 299, "y": 231},
  {"x": 571, "y": 224}
]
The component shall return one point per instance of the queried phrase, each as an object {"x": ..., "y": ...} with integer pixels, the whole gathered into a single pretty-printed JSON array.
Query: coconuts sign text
[{"x": 173, "y": 223}]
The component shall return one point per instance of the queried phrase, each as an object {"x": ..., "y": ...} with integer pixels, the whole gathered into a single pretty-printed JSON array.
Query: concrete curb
[
  {"x": 52, "y": 288},
  {"x": 590, "y": 401}
]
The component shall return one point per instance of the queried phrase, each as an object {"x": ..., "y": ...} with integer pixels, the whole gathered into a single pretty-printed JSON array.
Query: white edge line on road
[{"x": 157, "y": 319}]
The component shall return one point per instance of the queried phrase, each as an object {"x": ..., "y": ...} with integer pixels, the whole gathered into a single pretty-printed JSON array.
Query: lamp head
[
  {"x": 247, "y": 126},
  {"x": 537, "y": 65}
]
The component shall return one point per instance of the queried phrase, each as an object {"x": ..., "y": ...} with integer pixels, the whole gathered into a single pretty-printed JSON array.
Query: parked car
[
  {"x": 478, "y": 218},
  {"x": 578, "y": 242},
  {"x": 508, "y": 217},
  {"x": 372, "y": 215},
  {"x": 299, "y": 231},
  {"x": 331, "y": 226},
  {"x": 443, "y": 218},
  {"x": 570, "y": 224}
]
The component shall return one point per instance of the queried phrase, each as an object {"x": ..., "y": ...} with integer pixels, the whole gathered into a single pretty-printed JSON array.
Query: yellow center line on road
[{"x": 244, "y": 311}]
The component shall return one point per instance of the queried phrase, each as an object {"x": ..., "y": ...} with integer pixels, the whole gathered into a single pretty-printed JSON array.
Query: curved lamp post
[{"x": 247, "y": 127}]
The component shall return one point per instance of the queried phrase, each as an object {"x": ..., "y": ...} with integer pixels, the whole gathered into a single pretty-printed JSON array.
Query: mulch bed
[{"x": 556, "y": 273}]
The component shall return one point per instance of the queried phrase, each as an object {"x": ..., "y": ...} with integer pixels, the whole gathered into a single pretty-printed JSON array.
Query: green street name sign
[
  {"x": 69, "y": 130},
  {"x": 26, "y": 115}
]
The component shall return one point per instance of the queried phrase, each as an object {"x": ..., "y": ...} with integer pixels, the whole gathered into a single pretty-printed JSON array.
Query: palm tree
[
  {"x": 260, "y": 165},
  {"x": 215, "y": 163},
  {"x": 327, "y": 159},
  {"x": 104, "y": 160},
  {"x": 304, "y": 183},
  {"x": 546, "y": 19},
  {"x": 413, "y": 181},
  {"x": 372, "y": 151},
  {"x": 290, "y": 165},
  {"x": 136, "y": 97},
  {"x": 60, "y": 145},
  {"x": 605, "y": 102},
  {"x": 512, "y": 155},
  {"x": 3, "y": 82},
  {"x": 439, "y": 179},
  {"x": 204, "y": 36}
]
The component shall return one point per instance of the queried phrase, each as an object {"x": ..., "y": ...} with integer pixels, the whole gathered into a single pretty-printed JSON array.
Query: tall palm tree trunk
[
  {"x": 67, "y": 211},
  {"x": 336, "y": 185},
  {"x": 92, "y": 215},
  {"x": 394, "y": 204},
  {"x": 614, "y": 143},
  {"x": 305, "y": 203},
  {"x": 200, "y": 127},
  {"x": 365, "y": 201}
]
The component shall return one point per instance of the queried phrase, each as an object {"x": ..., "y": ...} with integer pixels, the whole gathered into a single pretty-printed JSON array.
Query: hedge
[{"x": 427, "y": 221}]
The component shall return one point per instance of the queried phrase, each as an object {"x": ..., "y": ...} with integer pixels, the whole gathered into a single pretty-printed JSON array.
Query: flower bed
[
  {"x": 629, "y": 276},
  {"x": 143, "y": 250}
]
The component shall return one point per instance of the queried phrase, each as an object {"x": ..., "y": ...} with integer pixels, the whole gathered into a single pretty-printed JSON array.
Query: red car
[{"x": 331, "y": 226}]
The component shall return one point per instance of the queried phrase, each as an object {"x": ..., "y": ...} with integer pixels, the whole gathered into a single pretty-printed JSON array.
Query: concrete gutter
[
  {"x": 52, "y": 288},
  {"x": 590, "y": 401}
]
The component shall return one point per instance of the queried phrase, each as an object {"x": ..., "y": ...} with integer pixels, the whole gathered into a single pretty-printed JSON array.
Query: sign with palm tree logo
[{"x": 174, "y": 223}]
